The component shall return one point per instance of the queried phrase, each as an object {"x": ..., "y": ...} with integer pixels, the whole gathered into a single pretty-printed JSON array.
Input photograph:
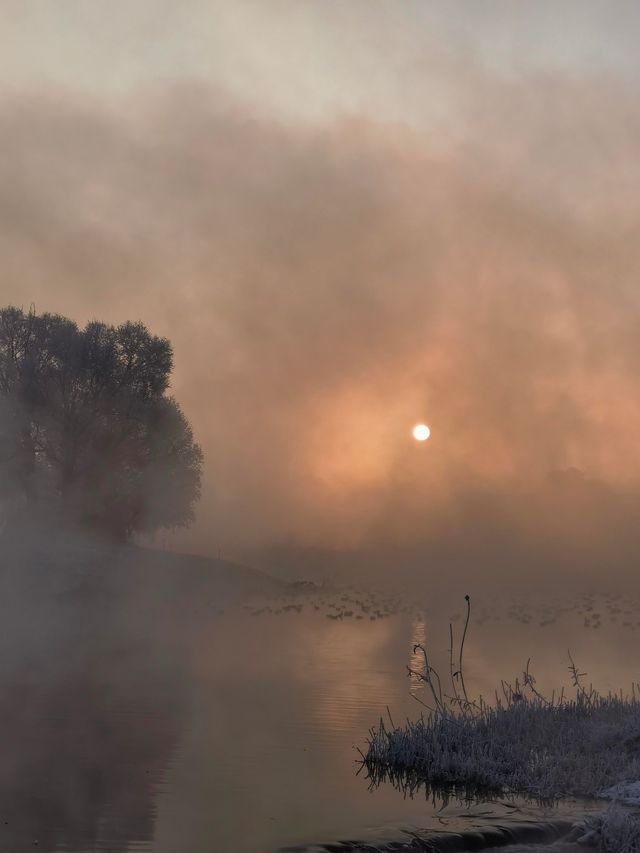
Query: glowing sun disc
[{"x": 421, "y": 432}]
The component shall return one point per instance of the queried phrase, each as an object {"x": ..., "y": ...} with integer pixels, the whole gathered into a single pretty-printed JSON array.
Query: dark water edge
[{"x": 489, "y": 837}]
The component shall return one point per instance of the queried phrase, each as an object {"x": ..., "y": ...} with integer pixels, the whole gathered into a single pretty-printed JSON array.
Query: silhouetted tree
[{"x": 86, "y": 423}]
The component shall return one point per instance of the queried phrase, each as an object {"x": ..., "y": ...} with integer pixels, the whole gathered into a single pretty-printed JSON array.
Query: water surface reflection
[{"x": 237, "y": 730}]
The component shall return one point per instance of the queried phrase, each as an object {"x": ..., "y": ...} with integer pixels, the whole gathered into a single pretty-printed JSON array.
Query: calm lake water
[{"x": 187, "y": 729}]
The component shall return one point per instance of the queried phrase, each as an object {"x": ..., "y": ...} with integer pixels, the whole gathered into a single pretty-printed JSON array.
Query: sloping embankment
[
  {"x": 45, "y": 566},
  {"x": 502, "y": 835}
]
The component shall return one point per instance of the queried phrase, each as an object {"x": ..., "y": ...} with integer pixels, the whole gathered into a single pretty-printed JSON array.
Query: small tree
[{"x": 87, "y": 425}]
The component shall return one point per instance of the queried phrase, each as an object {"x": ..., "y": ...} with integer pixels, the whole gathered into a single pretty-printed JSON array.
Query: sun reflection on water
[{"x": 416, "y": 658}]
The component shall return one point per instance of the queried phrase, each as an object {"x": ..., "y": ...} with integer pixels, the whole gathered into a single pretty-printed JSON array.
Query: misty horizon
[
  {"x": 327, "y": 285},
  {"x": 335, "y": 261}
]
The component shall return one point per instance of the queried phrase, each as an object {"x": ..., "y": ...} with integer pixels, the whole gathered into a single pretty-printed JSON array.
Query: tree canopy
[{"x": 87, "y": 425}]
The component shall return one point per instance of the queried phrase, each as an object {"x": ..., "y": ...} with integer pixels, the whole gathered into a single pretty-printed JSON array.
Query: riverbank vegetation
[{"x": 573, "y": 743}]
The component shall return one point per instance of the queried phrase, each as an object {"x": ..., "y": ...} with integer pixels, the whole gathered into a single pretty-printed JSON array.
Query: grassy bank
[
  {"x": 569, "y": 748},
  {"x": 569, "y": 744},
  {"x": 47, "y": 570}
]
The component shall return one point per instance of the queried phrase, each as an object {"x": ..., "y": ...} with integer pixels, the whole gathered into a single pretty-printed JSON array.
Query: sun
[{"x": 421, "y": 432}]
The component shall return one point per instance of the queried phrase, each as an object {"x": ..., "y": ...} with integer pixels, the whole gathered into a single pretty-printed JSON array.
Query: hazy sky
[{"x": 348, "y": 216}]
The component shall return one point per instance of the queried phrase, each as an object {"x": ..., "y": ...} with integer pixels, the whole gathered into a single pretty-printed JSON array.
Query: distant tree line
[{"x": 87, "y": 427}]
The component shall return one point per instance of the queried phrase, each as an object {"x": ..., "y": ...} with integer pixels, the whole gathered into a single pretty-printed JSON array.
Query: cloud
[{"x": 327, "y": 285}]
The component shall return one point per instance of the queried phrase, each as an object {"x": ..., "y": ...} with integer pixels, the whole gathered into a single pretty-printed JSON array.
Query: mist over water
[
  {"x": 347, "y": 219},
  {"x": 195, "y": 719}
]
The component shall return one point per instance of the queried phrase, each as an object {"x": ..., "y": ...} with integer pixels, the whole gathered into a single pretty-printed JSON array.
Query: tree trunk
[{"x": 27, "y": 465}]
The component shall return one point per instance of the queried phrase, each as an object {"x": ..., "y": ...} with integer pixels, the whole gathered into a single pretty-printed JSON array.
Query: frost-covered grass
[
  {"x": 613, "y": 831},
  {"x": 522, "y": 743},
  {"x": 572, "y": 748}
]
